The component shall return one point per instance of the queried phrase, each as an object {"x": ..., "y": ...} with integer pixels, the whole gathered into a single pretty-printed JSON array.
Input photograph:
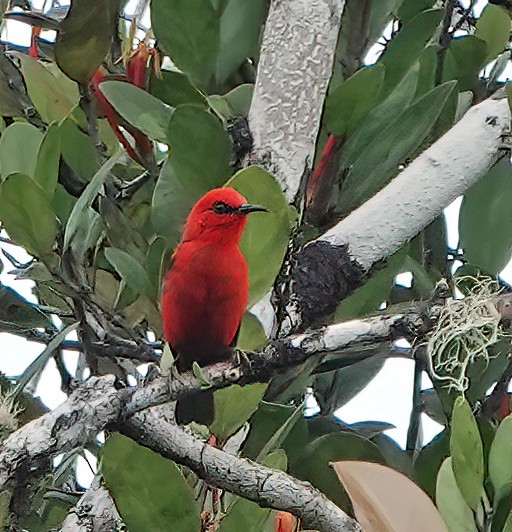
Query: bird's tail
[{"x": 195, "y": 406}]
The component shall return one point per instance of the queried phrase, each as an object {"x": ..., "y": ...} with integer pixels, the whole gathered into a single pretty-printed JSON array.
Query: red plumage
[{"x": 206, "y": 287}]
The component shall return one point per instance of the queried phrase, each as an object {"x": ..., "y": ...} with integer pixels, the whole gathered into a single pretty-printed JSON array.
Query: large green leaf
[
  {"x": 16, "y": 313},
  {"x": 234, "y": 406},
  {"x": 450, "y": 503},
  {"x": 346, "y": 105},
  {"x": 88, "y": 195},
  {"x": 429, "y": 460},
  {"x": 19, "y": 145},
  {"x": 485, "y": 221},
  {"x": 500, "y": 455},
  {"x": 148, "y": 489},
  {"x": 465, "y": 57},
  {"x": 140, "y": 108},
  {"x": 391, "y": 146},
  {"x": 54, "y": 98},
  {"x": 313, "y": 462},
  {"x": 493, "y": 26},
  {"x": 78, "y": 151},
  {"x": 199, "y": 161},
  {"x": 46, "y": 172},
  {"x": 381, "y": 115},
  {"x": 403, "y": 51},
  {"x": 131, "y": 271},
  {"x": 84, "y": 38},
  {"x": 265, "y": 239},
  {"x": 333, "y": 389},
  {"x": 252, "y": 335},
  {"x": 121, "y": 231},
  {"x": 27, "y": 214},
  {"x": 175, "y": 88},
  {"x": 208, "y": 40},
  {"x": 467, "y": 452},
  {"x": 265, "y": 423},
  {"x": 240, "y": 26},
  {"x": 188, "y": 31}
]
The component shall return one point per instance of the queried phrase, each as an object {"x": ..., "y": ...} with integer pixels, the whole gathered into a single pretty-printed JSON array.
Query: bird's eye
[{"x": 220, "y": 207}]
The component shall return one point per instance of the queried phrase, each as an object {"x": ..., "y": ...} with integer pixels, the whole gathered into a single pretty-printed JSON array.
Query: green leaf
[
  {"x": 313, "y": 462},
  {"x": 239, "y": 28},
  {"x": 84, "y": 38},
  {"x": 188, "y": 31},
  {"x": 265, "y": 239},
  {"x": 46, "y": 172},
  {"x": 450, "y": 503},
  {"x": 27, "y": 214},
  {"x": 465, "y": 57},
  {"x": 175, "y": 88},
  {"x": 17, "y": 314},
  {"x": 349, "y": 103},
  {"x": 79, "y": 152},
  {"x": 392, "y": 146},
  {"x": 239, "y": 99},
  {"x": 19, "y": 145},
  {"x": 53, "y": 97},
  {"x": 485, "y": 220},
  {"x": 500, "y": 455},
  {"x": 266, "y": 422},
  {"x": 84, "y": 202},
  {"x": 39, "y": 363},
  {"x": 234, "y": 406},
  {"x": 429, "y": 460},
  {"x": 502, "y": 509},
  {"x": 140, "y": 108},
  {"x": 251, "y": 335},
  {"x": 131, "y": 271},
  {"x": 410, "y": 8},
  {"x": 333, "y": 389},
  {"x": 201, "y": 151},
  {"x": 121, "y": 231},
  {"x": 151, "y": 490},
  {"x": 467, "y": 452},
  {"x": 208, "y": 42},
  {"x": 385, "y": 112},
  {"x": 403, "y": 50},
  {"x": 493, "y": 27}
]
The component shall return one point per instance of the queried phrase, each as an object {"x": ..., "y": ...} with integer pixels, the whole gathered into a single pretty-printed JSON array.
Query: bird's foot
[{"x": 242, "y": 358}]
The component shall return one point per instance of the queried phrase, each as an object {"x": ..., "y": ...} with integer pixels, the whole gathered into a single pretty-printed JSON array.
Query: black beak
[{"x": 246, "y": 208}]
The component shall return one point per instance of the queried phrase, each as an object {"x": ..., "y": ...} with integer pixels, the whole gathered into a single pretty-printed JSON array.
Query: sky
[{"x": 388, "y": 397}]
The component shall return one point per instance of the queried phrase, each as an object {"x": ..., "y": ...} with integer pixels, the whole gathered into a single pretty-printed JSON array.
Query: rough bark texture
[
  {"x": 267, "y": 487},
  {"x": 95, "y": 512},
  {"x": 293, "y": 73},
  {"x": 323, "y": 275},
  {"x": 98, "y": 404}
]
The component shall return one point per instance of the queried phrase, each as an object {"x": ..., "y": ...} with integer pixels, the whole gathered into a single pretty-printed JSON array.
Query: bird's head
[{"x": 219, "y": 215}]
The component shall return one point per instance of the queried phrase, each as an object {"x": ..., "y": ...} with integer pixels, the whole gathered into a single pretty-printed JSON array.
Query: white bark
[
  {"x": 422, "y": 190},
  {"x": 95, "y": 512},
  {"x": 268, "y": 487},
  {"x": 294, "y": 69}
]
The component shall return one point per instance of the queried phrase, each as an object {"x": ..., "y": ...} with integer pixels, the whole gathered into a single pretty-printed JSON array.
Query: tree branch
[
  {"x": 98, "y": 404},
  {"x": 268, "y": 487},
  {"x": 328, "y": 268},
  {"x": 95, "y": 512},
  {"x": 294, "y": 69}
]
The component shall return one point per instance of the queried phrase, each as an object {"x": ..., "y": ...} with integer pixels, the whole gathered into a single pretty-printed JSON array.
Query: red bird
[{"x": 205, "y": 291}]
